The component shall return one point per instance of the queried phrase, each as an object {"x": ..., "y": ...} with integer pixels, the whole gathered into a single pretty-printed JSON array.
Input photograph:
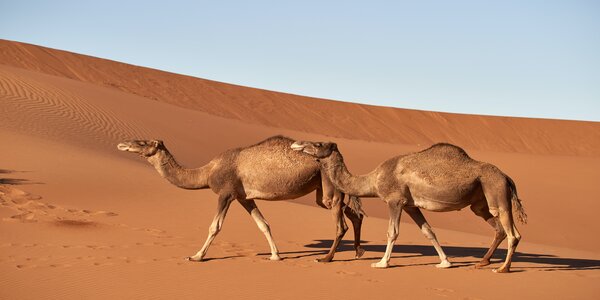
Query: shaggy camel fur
[
  {"x": 441, "y": 178},
  {"x": 269, "y": 170}
]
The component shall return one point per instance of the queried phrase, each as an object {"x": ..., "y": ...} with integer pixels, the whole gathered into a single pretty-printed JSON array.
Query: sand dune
[
  {"x": 331, "y": 118},
  {"x": 79, "y": 219},
  {"x": 34, "y": 106}
]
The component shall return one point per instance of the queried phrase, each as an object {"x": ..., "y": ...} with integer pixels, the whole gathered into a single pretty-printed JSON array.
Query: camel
[
  {"x": 269, "y": 170},
  {"x": 441, "y": 178}
]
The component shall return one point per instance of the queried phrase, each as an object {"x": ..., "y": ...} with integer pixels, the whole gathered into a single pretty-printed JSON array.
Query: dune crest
[{"x": 332, "y": 118}]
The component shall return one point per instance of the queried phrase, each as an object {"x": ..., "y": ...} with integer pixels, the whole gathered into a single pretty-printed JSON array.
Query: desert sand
[{"x": 80, "y": 219}]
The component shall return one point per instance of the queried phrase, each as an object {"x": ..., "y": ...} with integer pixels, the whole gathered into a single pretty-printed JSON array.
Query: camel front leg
[
  {"x": 215, "y": 227},
  {"x": 417, "y": 216},
  {"x": 395, "y": 208},
  {"x": 262, "y": 224},
  {"x": 341, "y": 227}
]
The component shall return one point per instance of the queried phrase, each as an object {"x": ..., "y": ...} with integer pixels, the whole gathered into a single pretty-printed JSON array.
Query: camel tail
[
  {"x": 517, "y": 206},
  {"x": 355, "y": 205}
]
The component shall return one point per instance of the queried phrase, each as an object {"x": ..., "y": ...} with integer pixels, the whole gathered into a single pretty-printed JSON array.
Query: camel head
[
  {"x": 144, "y": 148},
  {"x": 315, "y": 149}
]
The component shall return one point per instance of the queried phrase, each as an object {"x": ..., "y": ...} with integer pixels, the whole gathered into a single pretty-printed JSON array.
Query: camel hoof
[
  {"x": 191, "y": 258},
  {"x": 359, "y": 253},
  {"x": 482, "y": 264},
  {"x": 379, "y": 265},
  {"x": 444, "y": 265},
  {"x": 323, "y": 260},
  {"x": 501, "y": 270},
  {"x": 275, "y": 258}
]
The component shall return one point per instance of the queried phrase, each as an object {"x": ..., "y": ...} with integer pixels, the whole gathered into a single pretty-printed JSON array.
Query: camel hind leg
[
  {"x": 481, "y": 209},
  {"x": 498, "y": 197},
  {"x": 514, "y": 237},
  {"x": 417, "y": 216},
  {"x": 262, "y": 224},
  {"x": 341, "y": 227}
]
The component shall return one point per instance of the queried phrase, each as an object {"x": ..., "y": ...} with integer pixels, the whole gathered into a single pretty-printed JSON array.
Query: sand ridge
[
  {"x": 48, "y": 110},
  {"x": 332, "y": 118}
]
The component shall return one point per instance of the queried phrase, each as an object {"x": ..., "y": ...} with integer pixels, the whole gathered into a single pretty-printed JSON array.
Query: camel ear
[{"x": 333, "y": 147}]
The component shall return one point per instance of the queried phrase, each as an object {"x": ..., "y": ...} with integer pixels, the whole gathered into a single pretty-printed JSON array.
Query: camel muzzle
[{"x": 123, "y": 147}]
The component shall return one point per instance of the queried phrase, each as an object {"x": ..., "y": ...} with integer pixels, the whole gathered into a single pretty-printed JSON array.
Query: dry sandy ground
[{"x": 79, "y": 219}]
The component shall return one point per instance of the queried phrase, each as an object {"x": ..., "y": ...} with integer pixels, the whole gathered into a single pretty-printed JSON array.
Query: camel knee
[
  {"x": 516, "y": 233},
  {"x": 264, "y": 227},
  {"x": 500, "y": 235},
  {"x": 513, "y": 241},
  {"x": 518, "y": 236},
  {"x": 214, "y": 230},
  {"x": 341, "y": 230}
]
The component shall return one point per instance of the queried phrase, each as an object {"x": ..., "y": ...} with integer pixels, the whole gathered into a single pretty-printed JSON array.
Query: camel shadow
[
  {"x": 14, "y": 181},
  {"x": 300, "y": 254},
  {"x": 546, "y": 262},
  {"x": 207, "y": 259}
]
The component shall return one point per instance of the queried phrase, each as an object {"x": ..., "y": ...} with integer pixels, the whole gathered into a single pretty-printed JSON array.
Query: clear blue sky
[{"x": 516, "y": 58}]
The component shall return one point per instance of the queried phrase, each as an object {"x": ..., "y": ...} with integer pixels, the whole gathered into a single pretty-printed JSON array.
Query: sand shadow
[
  {"x": 207, "y": 259},
  {"x": 14, "y": 181},
  {"x": 298, "y": 254},
  {"x": 546, "y": 262}
]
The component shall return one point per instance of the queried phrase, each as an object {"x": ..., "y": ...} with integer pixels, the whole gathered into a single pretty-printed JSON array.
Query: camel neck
[
  {"x": 168, "y": 168},
  {"x": 336, "y": 170}
]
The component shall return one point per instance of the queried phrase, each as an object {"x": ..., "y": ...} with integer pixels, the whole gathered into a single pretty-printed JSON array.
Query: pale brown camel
[
  {"x": 441, "y": 178},
  {"x": 269, "y": 170}
]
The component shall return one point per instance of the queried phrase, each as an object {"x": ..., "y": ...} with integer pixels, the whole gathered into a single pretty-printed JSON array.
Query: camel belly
[
  {"x": 437, "y": 204},
  {"x": 441, "y": 200},
  {"x": 274, "y": 195},
  {"x": 279, "y": 189}
]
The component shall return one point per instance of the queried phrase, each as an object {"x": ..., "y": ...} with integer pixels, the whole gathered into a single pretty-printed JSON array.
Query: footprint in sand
[
  {"x": 162, "y": 244},
  {"x": 25, "y": 217},
  {"x": 29, "y": 208},
  {"x": 348, "y": 273},
  {"x": 444, "y": 292},
  {"x": 158, "y": 233},
  {"x": 244, "y": 250},
  {"x": 100, "y": 247},
  {"x": 21, "y": 266}
]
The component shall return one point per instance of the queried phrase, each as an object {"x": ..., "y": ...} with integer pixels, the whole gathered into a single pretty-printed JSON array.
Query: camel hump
[
  {"x": 446, "y": 149},
  {"x": 276, "y": 139}
]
